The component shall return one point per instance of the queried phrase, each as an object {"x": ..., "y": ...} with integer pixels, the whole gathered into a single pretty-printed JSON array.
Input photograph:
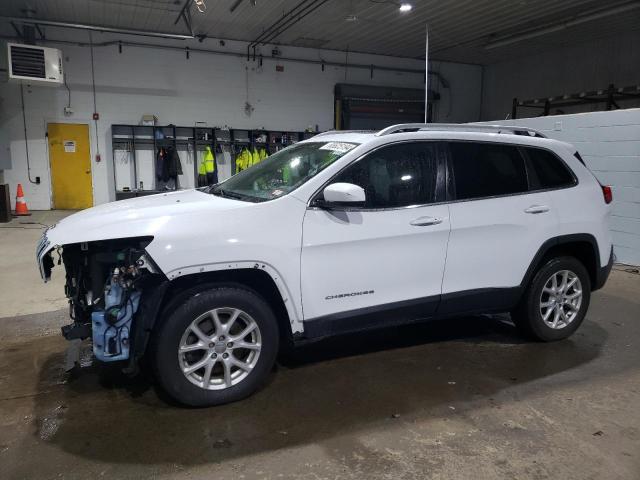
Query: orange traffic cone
[{"x": 21, "y": 205}]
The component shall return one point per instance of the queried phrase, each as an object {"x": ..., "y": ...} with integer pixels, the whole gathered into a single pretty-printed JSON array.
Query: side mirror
[{"x": 343, "y": 195}]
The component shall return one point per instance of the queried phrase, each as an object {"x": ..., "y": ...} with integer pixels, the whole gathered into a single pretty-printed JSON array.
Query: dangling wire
[
  {"x": 248, "y": 108},
  {"x": 26, "y": 141},
  {"x": 93, "y": 88}
]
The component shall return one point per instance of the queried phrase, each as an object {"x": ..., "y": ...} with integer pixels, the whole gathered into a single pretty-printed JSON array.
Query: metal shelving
[
  {"x": 609, "y": 96},
  {"x": 135, "y": 138}
]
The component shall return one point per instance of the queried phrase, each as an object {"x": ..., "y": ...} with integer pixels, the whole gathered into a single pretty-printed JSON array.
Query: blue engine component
[{"x": 111, "y": 339}]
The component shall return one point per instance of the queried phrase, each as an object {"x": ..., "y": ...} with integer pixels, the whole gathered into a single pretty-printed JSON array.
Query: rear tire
[
  {"x": 555, "y": 302},
  {"x": 216, "y": 347}
]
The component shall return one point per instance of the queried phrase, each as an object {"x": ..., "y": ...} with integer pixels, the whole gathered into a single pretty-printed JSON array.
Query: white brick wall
[
  {"x": 609, "y": 143},
  {"x": 562, "y": 69},
  {"x": 209, "y": 88}
]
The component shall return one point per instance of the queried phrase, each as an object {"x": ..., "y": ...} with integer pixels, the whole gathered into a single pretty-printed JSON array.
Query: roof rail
[
  {"x": 464, "y": 127},
  {"x": 334, "y": 132}
]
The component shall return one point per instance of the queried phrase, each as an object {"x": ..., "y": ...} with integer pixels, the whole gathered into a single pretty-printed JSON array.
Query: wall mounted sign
[{"x": 70, "y": 146}]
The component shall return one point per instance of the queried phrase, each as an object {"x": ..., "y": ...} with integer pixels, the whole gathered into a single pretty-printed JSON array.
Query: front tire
[
  {"x": 555, "y": 302},
  {"x": 216, "y": 347}
]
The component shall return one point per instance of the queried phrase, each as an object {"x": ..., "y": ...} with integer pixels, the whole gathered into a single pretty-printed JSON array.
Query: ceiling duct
[{"x": 95, "y": 28}]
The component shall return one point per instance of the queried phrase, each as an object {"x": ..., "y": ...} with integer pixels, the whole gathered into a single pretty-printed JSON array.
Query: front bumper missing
[{"x": 43, "y": 257}]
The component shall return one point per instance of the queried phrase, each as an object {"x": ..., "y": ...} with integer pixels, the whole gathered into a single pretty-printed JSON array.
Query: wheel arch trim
[
  {"x": 295, "y": 316},
  {"x": 562, "y": 240}
]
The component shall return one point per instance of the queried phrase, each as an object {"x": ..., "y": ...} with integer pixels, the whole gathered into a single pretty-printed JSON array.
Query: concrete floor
[
  {"x": 446, "y": 400},
  {"x": 22, "y": 290}
]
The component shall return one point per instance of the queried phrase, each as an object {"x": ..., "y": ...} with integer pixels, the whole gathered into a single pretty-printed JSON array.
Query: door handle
[
  {"x": 536, "y": 209},
  {"x": 88, "y": 171},
  {"x": 426, "y": 221}
]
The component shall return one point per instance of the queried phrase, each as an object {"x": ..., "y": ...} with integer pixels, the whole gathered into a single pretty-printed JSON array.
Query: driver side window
[{"x": 396, "y": 176}]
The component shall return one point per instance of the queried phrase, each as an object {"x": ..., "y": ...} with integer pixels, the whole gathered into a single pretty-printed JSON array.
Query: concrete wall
[
  {"x": 583, "y": 67},
  {"x": 206, "y": 87},
  {"x": 609, "y": 143}
]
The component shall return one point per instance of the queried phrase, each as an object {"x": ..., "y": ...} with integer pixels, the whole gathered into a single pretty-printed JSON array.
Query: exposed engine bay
[{"x": 105, "y": 284}]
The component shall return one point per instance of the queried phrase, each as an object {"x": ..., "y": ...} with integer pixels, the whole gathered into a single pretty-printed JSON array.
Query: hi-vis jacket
[
  {"x": 207, "y": 168},
  {"x": 208, "y": 163},
  {"x": 247, "y": 159},
  {"x": 243, "y": 160}
]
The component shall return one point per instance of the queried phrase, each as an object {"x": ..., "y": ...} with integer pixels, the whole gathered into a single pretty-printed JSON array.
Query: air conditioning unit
[{"x": 34, "y": 65}]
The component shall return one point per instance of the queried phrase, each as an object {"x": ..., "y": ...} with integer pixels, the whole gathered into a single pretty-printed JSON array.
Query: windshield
[{"x": 282, "y": 172}]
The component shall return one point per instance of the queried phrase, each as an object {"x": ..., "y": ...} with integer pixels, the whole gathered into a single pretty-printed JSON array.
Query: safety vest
[
  {"x": 243, "y": 160},
  {"x": 263, "y": 154},
  {"x": 239, "y": 166},
  {"x": 255, "y": 157},
  {"x": 208, "y": 162},
  {"x": 286, "y": 174}
]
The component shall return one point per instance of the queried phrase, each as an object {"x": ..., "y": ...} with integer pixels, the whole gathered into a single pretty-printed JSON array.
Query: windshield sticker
[{"x": 338, "y": 146}]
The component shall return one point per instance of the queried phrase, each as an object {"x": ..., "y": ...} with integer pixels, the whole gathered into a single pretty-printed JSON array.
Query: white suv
[{"x": 342, "y": 232}]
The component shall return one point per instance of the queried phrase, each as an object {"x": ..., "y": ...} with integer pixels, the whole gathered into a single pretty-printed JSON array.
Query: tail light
[{"x": 607, "y": 193}]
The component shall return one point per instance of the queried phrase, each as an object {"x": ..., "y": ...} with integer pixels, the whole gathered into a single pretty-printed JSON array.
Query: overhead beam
[
  {"x": 42, "y": 37},
  {"x": 583, "y": 17},
  {"x": 185, "y": 14},
  {"x": 96, "y": 28},
  {"x": 235, "y": 5},
  {"x": 17, "y": 30}
]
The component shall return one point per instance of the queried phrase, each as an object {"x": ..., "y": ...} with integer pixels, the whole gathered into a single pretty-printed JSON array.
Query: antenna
[{"x": 426, "y": 74}]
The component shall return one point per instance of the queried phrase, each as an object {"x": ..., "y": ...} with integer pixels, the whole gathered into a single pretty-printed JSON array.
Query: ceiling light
[
  {"x": 200, "y": 5},
  {"x": 405, "y": 7}
]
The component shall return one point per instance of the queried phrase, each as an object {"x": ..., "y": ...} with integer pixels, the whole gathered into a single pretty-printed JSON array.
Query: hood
[{"x": 138, "y": 217}]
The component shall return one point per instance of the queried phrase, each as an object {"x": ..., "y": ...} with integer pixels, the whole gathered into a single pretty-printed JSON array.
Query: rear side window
[
  {"x": 486, "y": 170},
  {"x": 546, "y": 170}
]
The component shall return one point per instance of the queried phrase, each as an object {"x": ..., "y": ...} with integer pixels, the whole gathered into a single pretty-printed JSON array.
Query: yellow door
[{"x": 70, "y": 166}]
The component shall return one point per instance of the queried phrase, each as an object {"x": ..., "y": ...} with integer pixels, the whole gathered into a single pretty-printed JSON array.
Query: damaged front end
[{"x": 114, "y": 290}]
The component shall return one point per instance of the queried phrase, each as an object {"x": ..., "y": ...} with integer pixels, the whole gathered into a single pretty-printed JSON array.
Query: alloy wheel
[
  {"x": 220, "y": 348},
  {"x": 560, "y": 299}
]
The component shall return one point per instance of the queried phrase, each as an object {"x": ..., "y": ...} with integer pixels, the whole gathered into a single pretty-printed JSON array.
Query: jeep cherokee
[{"x": 342, "y": 232}]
